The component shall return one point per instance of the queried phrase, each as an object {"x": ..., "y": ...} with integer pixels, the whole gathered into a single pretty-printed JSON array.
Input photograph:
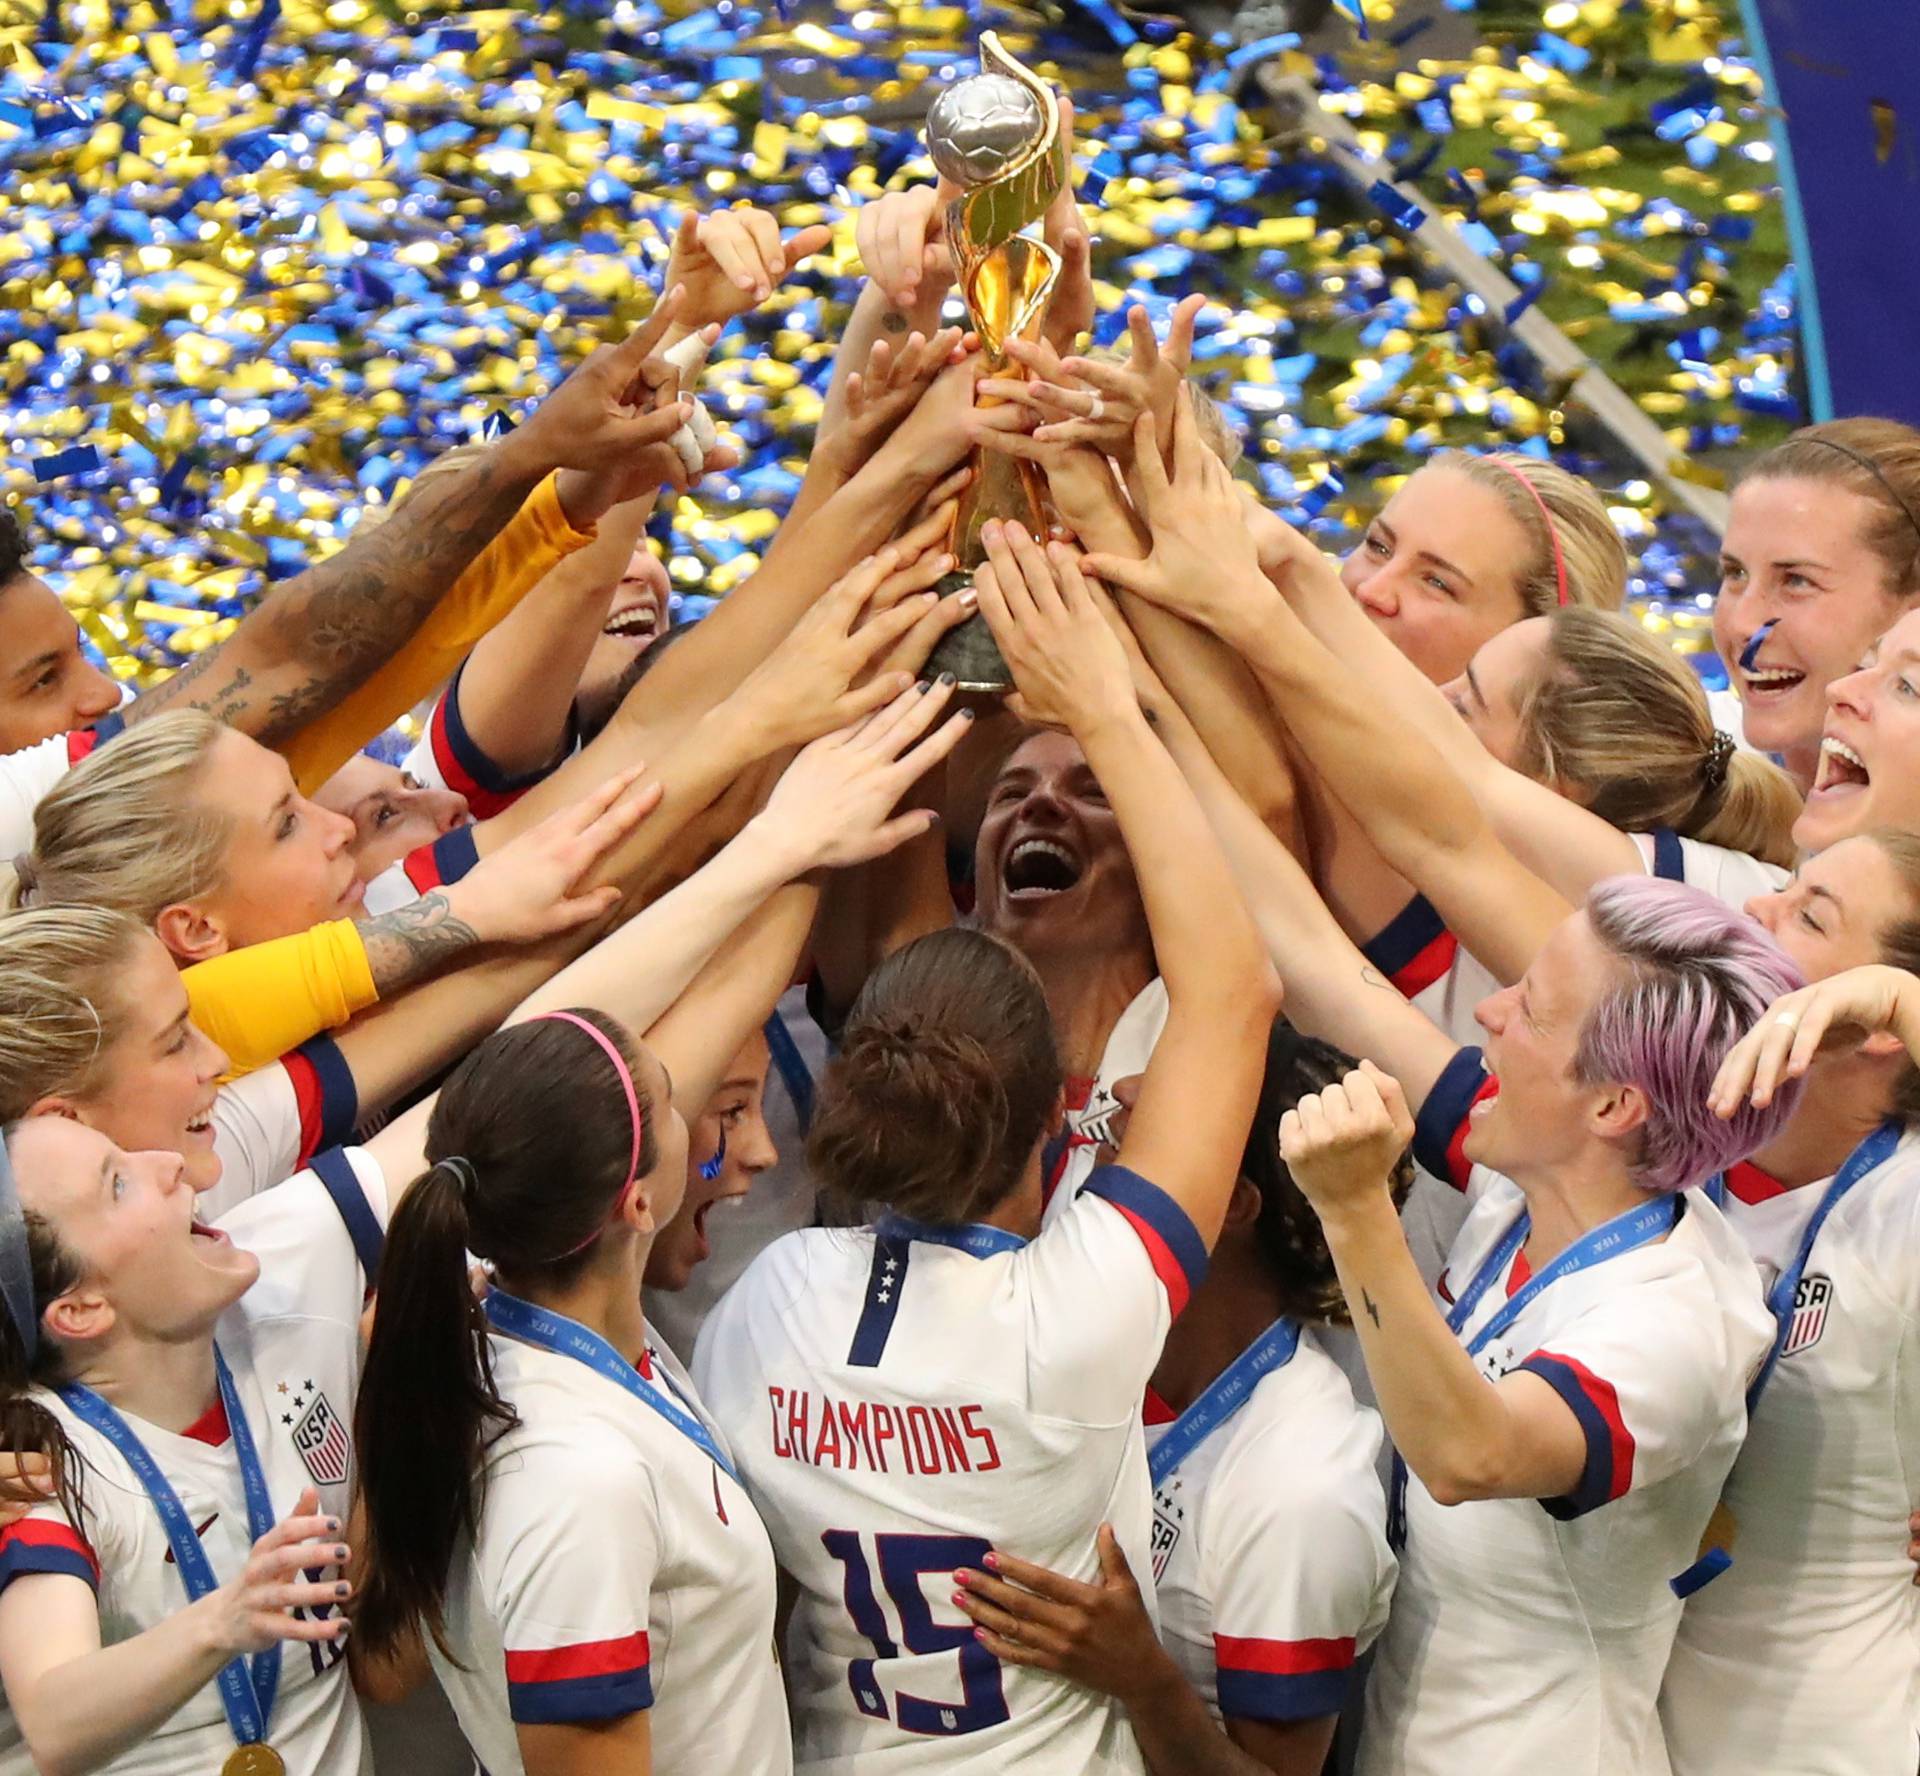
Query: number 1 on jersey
[{"x": 903, "y": 1560}]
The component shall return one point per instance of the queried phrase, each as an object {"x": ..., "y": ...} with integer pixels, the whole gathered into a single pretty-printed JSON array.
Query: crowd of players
[{"x": 1338, "y": 1168}]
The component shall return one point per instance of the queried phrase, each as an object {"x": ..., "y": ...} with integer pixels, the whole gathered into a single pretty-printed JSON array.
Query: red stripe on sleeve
[
  {"x": 1459, "y": 1166},
  {"x": 1606, "y": 1402},
  {"x": 43, "y": 1532},
  {"x": 1428, "y": 966},
  {"x": 309, "y": 1099},
  {"x": 423, "y": 869},
  {"x": 591, "y": 1658},
  {"x": 1160, "y": 1255},
  {"x": 1282, "y": 1658}
]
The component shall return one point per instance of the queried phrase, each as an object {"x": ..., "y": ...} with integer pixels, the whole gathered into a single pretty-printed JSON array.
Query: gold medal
[{"x": 259, "y": 1759}]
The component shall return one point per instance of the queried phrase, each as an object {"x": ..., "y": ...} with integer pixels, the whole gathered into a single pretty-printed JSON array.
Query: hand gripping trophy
[{"x": 997, "y": 136}]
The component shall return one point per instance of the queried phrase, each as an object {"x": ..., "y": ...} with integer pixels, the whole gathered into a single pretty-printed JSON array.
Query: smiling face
[
  {"x": 289, "y": 862},
  {"x": 1833, "y": 914},
  {"x": 733, "y": 1117},
  {"x": 392, "y": 811},
  {"x": 1051, "y": 871},
  {"x": 1439, "y": 569},
  {"x": 1796, "y": 555},
  {"x": 1869, "y": 766},
  {"x": 152, "y": 1274},
  {"x": 1492, "y": 693},
  {"x": 48, "y": 685},
  {"x": 1541, "y": 1116},
  {"x": 154, "y": 1087},
  {"x": 637, "y": 617}
]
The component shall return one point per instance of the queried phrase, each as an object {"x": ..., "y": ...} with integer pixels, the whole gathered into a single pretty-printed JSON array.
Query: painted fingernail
[
  {"x": 341, "y": 1590},
  {"x": 340, "y": 1551},
  {"x": 966, "y": 715},
  {"x": 991, "y": 1562},
  {"x": 342, "y": 1631},
  {"x": 947, "y": 678},
  {"x": 961, "y": 1575},
  {"x": 981, "y": 1633},
  {"x": 959, "y": 1597},
  {"x": 333, "y": 1526},
  {"x": 969, "y": 598},
  {"x": 923, "y": 685}
]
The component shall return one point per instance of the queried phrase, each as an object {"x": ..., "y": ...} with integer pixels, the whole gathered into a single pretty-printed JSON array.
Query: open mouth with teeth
[
  {"x": 212, "y": 1235},
  {"x": 201, "y": 1124},
  {"x": 1771, "y": 681},
  {"x": 1841, "y": 768},
  {"x": 638, "y": 622},
  {"x": 1037, "y": 868}
]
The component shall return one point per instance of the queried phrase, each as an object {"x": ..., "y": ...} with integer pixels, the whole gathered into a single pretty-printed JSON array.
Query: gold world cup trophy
[{"x": 996, "y": 135}]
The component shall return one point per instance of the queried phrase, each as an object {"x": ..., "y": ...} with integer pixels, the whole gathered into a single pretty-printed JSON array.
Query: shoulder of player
[{"x": 1302, "y": 1438}]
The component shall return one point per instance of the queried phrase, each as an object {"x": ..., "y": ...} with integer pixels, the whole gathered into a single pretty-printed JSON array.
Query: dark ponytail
[
  {"x": 1288, "y": 1231},
  {"x": 946, "y": 1077},
  {"x": 531, "y": 1142}
]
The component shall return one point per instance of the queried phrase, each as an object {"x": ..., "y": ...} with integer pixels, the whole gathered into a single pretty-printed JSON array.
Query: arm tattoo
[
  {"x": 894, "y": 321},
  {"x": 411, "y": 942},
  {"x": 329, "y": 629},
  {"x": 1373, "y": 1313},
  {"x": 1372, "y": 977}
]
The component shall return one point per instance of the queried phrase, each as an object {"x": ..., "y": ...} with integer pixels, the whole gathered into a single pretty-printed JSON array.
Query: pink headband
[
  {"x": 633, "y": 1110},
  {"x": 1546, "y": 517}
]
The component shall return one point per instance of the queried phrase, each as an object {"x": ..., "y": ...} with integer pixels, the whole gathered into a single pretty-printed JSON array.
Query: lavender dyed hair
[{"x": 1696, "y": 976}]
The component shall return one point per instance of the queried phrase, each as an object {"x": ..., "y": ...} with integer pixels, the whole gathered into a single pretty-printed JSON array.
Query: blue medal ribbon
[
  {"x": 973, "y": 1237},
  {"x": 247, "y": 1689},
  {"x": 1612, "y": 1239},
  {"x": 1231, "y": 1390},
  {"x": 568, "y": 1338}
]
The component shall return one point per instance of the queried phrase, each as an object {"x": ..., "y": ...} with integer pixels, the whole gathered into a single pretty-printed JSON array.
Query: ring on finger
[
  {"x": 1790, "y": 1018},
  {"x": 1098, "y": 407}
]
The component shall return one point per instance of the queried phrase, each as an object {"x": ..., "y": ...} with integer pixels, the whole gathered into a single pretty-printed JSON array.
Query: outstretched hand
[
  {"x": 1068, "y": 664},
  {"x": 823, "y": 676},
  {"x": 901, "y": 237},
  {"x": 1203, "y": 564},
  {"x": 621, "y": 400},
  {"x": 530, "y": 889},
  {"x": 833, "y": 806},
  {"x": 730, "y": 261}
]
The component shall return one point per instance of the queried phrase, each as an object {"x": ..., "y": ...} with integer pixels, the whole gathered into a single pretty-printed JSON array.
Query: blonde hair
[
  {"x": 459, "y": 457},
  {"x": 61, "y": 1008},
  {"x": 1590, "y": 547},
  {"x": 1618, "y": 721},
  {"x": 1209, "y": 418},
  {"x": 1879, "y": 459},
  {"x": 124, "y": 828}
]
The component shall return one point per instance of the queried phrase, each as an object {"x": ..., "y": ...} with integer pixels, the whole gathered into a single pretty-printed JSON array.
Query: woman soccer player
[
  {"x": 1271, "y": 1570},
  {"x": 905, "y": 1396}
]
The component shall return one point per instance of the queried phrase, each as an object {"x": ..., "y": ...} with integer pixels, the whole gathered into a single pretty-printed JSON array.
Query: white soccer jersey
[
  {"x": 293, "y": 1345},
  {"x": 1270, "y": 1557},
  {"x": 1091, "y": 1102},
  {"x": 1804, "y": 1656},
  {"x": 269, "y": 1123},
  {"x": 618, "y": 1568},
  {"x": 901, "y": 1406},
  {"x": 1529, "y": 1635},
  {"x": 1731, "y": 877},
  {"x": 27, "y": 776}
]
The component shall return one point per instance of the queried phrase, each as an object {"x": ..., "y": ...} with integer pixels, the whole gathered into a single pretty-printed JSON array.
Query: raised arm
[
  {"x": 313, "y": 640},
  {"x": 1332, "y": 990},
  {"x": 1420, "y": 813},
  {"x": 1465, "y": 1440},
  {"x": 832, "y": 807},
  {"x": 1190, "y": 1123}
]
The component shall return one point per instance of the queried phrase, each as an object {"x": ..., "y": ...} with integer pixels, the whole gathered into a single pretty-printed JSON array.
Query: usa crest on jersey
[
  {"x": 320, "y": 1437},
  {"x": 1810, "y": 1303}
]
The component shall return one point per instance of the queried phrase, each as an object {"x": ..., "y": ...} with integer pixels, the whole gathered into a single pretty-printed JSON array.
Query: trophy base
[{"x": 968, "y": 651}]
